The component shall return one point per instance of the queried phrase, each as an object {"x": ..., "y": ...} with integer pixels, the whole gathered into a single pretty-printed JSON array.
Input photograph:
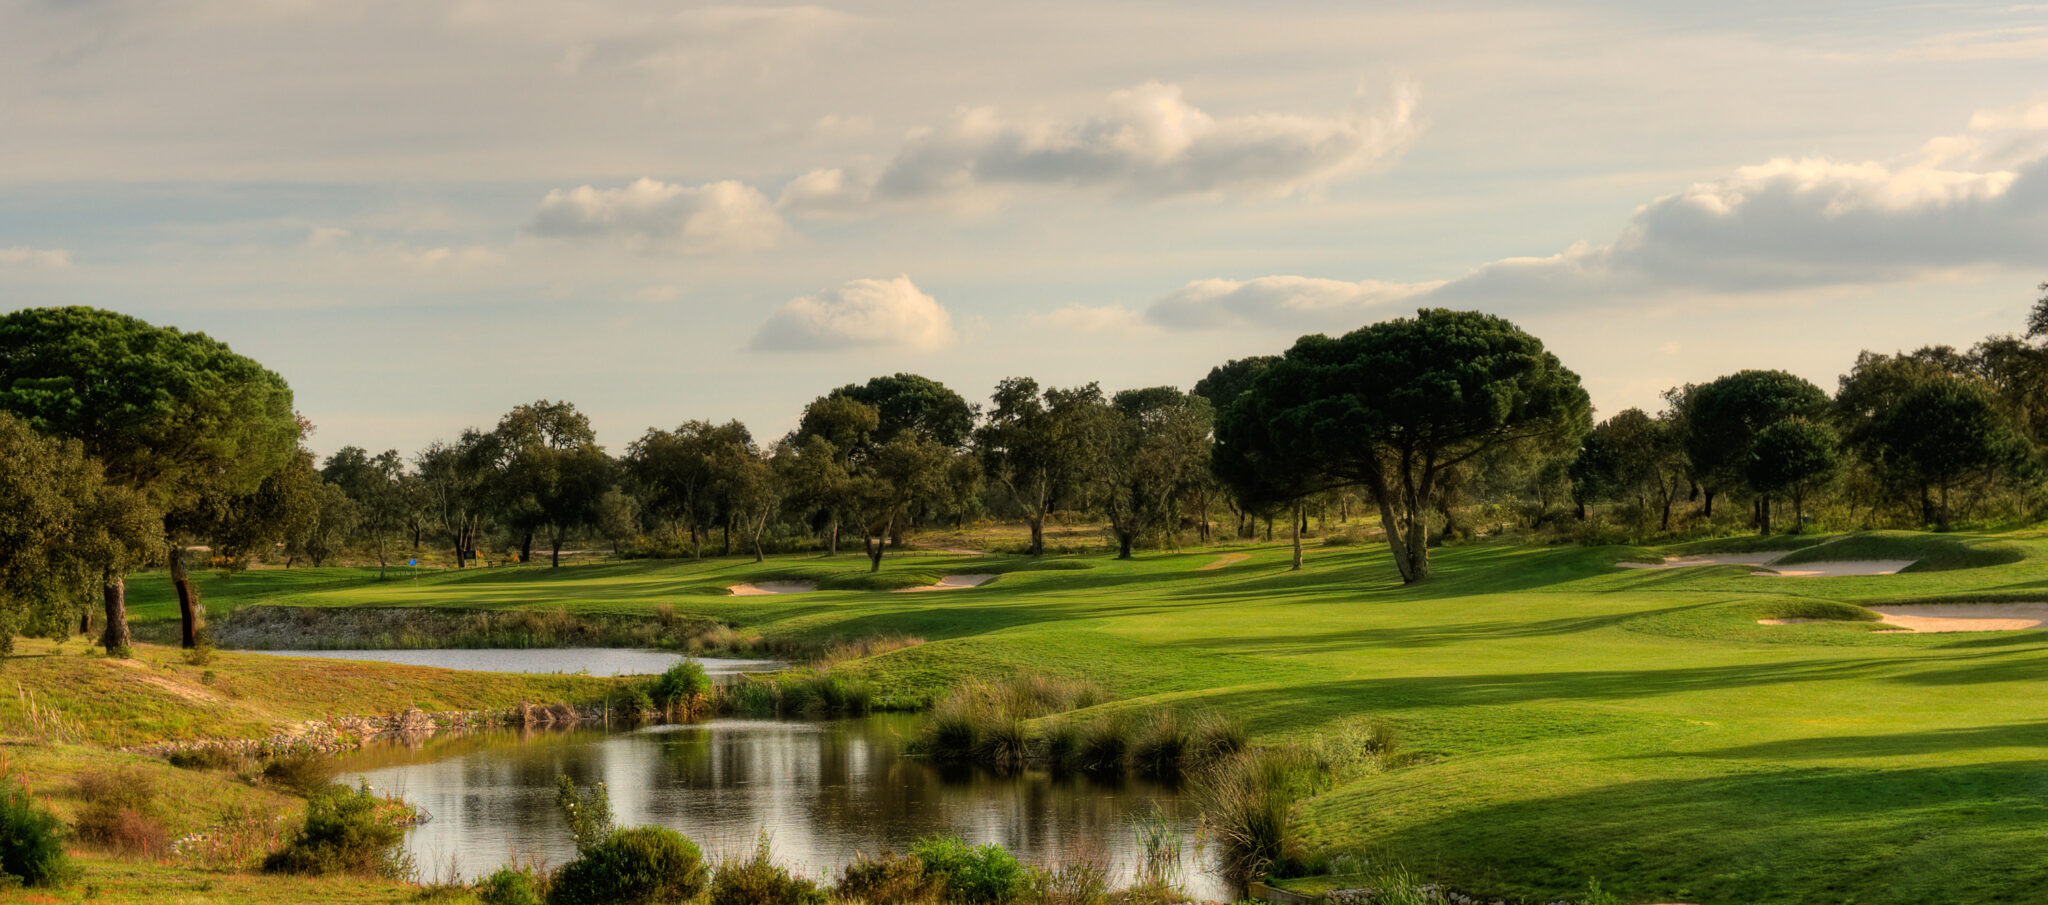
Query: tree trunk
[
  {"x": 760, "y": 526},
  {"x": 85, "y": 622},
  {"x": 114, "y": 590},
  {"x": 725, "y": 542},
  {"x": 1708, "y": 509},
  {"x": 832, "y": 536},
  {"x": 1798, "y": 512},
  {"x": 1298, "y": 521},
  {"x": 696, "y": 542},
  {"x": 1763, "y": 515},
  {"x": 554, "y": 553},
  {"x": 526, "y": 546},
  {"x": 1944, "y": 506},
  {"x": 1665, "y": 523},
  {"x": 1269, "y": 529},
  {"x": 1123, "y": 544},
  {"x": 1038, "y": 534},
  {"x": 189, "y": 618}
]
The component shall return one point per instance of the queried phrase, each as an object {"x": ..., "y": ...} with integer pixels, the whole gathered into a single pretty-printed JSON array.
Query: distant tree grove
[{"x": 125, "y": 445}]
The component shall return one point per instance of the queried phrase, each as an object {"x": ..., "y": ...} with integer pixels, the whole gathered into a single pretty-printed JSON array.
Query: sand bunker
[
  {"x": 1719, "y": 559},
  {"x": 952, "y": 583},
  {"x": 1965, "y": 617},
  {"x": 1224, "y": 560},
  {"x": 772, "y": 587},
  {"x": 1762, "y": 563},
  {"x": 1837, "y": 569}
]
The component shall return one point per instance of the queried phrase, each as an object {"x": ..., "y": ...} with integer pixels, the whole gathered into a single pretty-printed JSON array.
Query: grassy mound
[
  {"x": 1929, "y": 553},
  {"x": 1810, "y": 608},
  {"x": 1748, "y": 543}
]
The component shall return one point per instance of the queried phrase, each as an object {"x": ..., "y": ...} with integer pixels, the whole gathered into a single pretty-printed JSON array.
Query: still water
[
  {"x": 823, "y": 791},
  {"x": 596, "y": 661}
]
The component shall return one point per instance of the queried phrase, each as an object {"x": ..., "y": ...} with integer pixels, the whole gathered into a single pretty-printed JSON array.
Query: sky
[{"x": 424, "y": 212}]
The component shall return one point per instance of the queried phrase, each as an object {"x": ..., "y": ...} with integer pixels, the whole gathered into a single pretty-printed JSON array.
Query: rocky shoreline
[{"x": 344, "y": 734}]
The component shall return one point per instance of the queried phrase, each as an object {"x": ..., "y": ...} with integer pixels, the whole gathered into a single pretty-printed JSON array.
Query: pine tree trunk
[
  {"x": 188, "y": 599},
  {"x": 114, "y": 590},
  {"x": 1298, "y": 520}
]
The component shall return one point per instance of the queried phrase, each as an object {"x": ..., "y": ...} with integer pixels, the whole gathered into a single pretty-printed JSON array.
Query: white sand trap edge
[
  {"x": 772, "y": 587},
  {"x": 1224, "y": 560},
  {"x": 1965, "y": 617},
  {"x": 952, "y": 583},
  {"x": 1758, "y": 560},
  {"x": 1841, "y": 568}
]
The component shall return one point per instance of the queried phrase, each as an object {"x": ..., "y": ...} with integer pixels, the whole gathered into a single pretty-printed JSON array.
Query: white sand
[
  {"x": 952, "y": 583},
  {"x": 1965, "y": 617},
  {"x": 1761, "y": 562},
  {"x": 1717, "y": 559},
  {"x": 1838, "y": 569},
  {"x": 772, "y": 587},
  {"x": 1224, "y": 560}
]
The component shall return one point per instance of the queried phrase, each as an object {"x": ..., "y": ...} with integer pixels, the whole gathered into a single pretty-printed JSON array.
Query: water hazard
[
  {"x": 823, "y": 791},
  {"x": 596, "y": 661}
]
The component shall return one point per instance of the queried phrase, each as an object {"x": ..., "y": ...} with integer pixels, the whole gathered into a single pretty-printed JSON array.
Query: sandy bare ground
[
  {"x": 1224, "y": 560},
  {"x": 952, "y": 583},
  {"x": 772, "y": 587},
  {"x": 1837, "y": 569},
  {"x": 1719, "y": 559},
  {"x": 1965, "y": 617},
  {"x": 1762, "y": 563}
]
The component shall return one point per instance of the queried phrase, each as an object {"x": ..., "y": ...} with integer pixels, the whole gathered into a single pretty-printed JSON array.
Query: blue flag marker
[{"x": 412, "y": 562}]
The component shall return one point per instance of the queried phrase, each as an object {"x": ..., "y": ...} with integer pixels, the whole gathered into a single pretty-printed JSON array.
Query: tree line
[{"x": 124, "y": 445}]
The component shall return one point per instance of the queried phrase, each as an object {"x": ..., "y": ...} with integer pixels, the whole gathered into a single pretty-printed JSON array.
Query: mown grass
[
  {"x": 1929, "y": 553},
  {"x": 1562, "y": 719}
]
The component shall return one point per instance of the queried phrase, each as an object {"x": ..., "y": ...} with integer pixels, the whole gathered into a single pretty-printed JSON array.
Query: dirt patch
[
  {"x": 1224, "y": 560},
  {"x": 951, "y": 583},
  {"x": 772, "y": 587},
  {"x": 1965, "y": 617}
]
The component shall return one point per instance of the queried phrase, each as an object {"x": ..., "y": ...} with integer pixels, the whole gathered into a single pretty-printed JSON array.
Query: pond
[
  {"x": 596, "y": 661},
  {"x": 822, "y": 791}
]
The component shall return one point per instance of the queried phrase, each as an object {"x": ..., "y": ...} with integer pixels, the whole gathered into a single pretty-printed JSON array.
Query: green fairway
[{"x": 1570, "y": 719}]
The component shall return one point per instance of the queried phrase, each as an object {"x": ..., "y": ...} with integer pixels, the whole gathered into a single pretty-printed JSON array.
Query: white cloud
[
  {"x": 1091, "y": 319},
  {"x": 326, "y": 236},
  {"x": 28, "y": 258},
  {"x": 2030, "y": 115},
  {"x": 1145, "y": 142},
  {"x": 860, "y": 314},
  {"x": 1288, "y": 301},
  {"x": 654, "y": 39},
  {"x": 657, "y": 216},
  {"x": 449, "y": 260},
  {"x": 1785, "y": 224}
]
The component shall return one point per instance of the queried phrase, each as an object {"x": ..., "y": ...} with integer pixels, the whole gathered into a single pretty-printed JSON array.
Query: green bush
[
  {"x": 343, "y": 833},
  {"x": 121, "y": 812},
  {"x": 303, "y": 772},
  {"x": 886, "y": 879},
  {"x": 680, "y": 685},
  {"x": 588, "y": 815},
  {"x": 207, "y": 758},
  {"x": 31, "y": 842},
  {"x": 972, "y": 875},
  {"x": 510, "y": 886},
  {"x": 640, "y": 866},
  {"x": 751, "y": 697},
  {"x": 760, "y": 881}
]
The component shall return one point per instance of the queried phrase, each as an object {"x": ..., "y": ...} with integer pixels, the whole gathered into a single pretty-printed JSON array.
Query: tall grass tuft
[
  {"x": 761, "y": 881},
  {"x": 1059, "y": 746},
  {"x": 1105, "y": 744},
  {"x": 1005, "y": 745},
  {"x": 1247, "y": 803},
  {"x": 1160, "y": 749}
]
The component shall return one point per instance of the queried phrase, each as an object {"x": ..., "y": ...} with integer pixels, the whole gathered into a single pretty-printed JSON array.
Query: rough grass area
[
  {"x": 1929, "y": 552},
  {"x": 1562, "y": 719},
  {"x": 71, "y": 693},
  {"x": 1809, "y": 608}
]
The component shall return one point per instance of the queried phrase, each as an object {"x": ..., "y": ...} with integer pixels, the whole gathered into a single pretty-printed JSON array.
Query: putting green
[{"x": 1569, "y": 719}]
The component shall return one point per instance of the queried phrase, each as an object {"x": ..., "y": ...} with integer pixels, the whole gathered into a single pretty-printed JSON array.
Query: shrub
[
  {"x": 681, "y": 686},
  {"x": 121, "y": 812},
  {"x": 303, "y": 772},
  {"x": 343, "y": 833},
  {"x": 1104, "y": 745},
  {"x": 639, "y": 866},
  {"x": 207, "y": 758},
  {"x": 885, "y": 879},
  {"x": 31, "y": 842},
  {"x": 760, "y": 881},
  {"x": 1214, "y": 737},
  {"x": 510, "y": 886},
  {"x": 1159, "y": 749},
  {"x": 587, "y": 814},
  {"x": 1340, "y": 540},
  {"x": 1080, "y": 881},
  {"x": 634, "y": 702},
  {"x": 1059, "y": 746},
  {"x": 972, "y": 875}
]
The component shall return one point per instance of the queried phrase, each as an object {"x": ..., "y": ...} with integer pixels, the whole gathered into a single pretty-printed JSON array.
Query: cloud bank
[
  {"x": 1959, "y": 203},
  {"x": 650, "y": 215},
  {"x": 1145, "y": 142},
  {"x": 26, "y": 258},
  {"x": 859, "y": 314}
]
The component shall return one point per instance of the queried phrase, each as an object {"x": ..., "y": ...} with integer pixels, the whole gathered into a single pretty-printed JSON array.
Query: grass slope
[{"x": 1575, "y": 720}]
